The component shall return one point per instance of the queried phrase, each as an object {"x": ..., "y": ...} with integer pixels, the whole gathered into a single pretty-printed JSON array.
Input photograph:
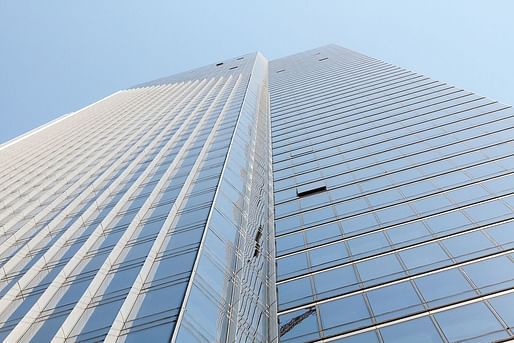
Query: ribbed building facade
[{"x": 325, "y": 196}]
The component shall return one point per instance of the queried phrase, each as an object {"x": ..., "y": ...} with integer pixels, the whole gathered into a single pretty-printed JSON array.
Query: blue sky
[{"x": 58, "y": 56}]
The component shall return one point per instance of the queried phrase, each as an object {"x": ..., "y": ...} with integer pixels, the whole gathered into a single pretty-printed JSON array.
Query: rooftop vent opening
[
  {"x": 239, "y": 58},
  {"x": 232, "y": 68},
  {"x": 322, "y": 59},
  {"x": 219, "y": 64},
  {"x": 280, "y": 71},
  {"x": 314, "y": 188}
]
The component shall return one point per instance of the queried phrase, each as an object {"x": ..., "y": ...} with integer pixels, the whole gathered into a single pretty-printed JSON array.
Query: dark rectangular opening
[
  {"x": 239, "y": 58},
  {"x": 322, "y": 59},
  {"x": 219, "y": 64},
  {"x": 280, "y": 71},
  {"x": 232, "y": 68},
  {"x": 309, "y": 191}
]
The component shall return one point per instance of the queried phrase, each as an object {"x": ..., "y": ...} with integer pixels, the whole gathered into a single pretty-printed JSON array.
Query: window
[
  {"x": 290, "y": 243},
  {"x": 492, "y": 274},
  {"x": 298, "y": 326},
  {"x": 385, "y": 197},
  {"x": 294, "y": 293},
  {"x": 504, "y": 306},
  {"x": 318, "y": 215},
  {"x": 287, "y": 224},
  {"x": 444, "y": 287},
  {"x": 502, "y": 234},
  {"x": 424, "y": 257},
  {"x": 314, "y": 199},
  {"x": 366, "y": 337},
  {"x": 335, "y": 281},
  {"x": 380, "y": 269},
  {"x": 467, "y": 322},
  {"x": 395, "y": 213},
  {"x": 468, "y": 246},
  {"x": 394, "y": 301},
  {"x": 368, "y": 244},
  {"x": 291, "y": 265},
  {"x": 324, "y": 233},
  {"x": 344, "y": 315},
  {"x": 302, "y": 151},
  {"x": 328, "y": 255},
  {"x": 447, "y": 222},
  {"x": 431, "y": 204},
  {"x": 467, "y": 194},
  {"x": 346, "y": 208},
  {"x": 488, "y": 211},
  {"x": 410, "y": 232},
  {"x": 359, "y": 223},
  {"x": 420, "y": 330}
]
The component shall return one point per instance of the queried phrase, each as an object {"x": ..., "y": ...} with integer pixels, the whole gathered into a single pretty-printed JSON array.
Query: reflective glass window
[
  {"x": 394, "y": 301},
  {"x": 420, "y": 330},
  {"x": 291, "y": 265},
  {"x": 344, "y": 314},
  {"x": 504, "y": 306},
  {"x": 366, "y": 337},
  {"x": 447, "y": 221},
  {"x": 467, "y": 322},
  {"x": 324, "y": 233},
  {"x": 294, "y": 293},
  {"x": 502, "y": 234},
  {"x": 328, "y": 255},
  {"x": 431, "y": 204},
  {"x": 470, "y": 245},
  {"x": 488, "y": 210},
  {"x": 359, "y": 223},
  {"x": 298, "y": 326},
  {"x": 444, "y": 287},
  {"x": 335, "y": 281},
  {"x": 424, "y": 257},
  {"x": 318, "y": 215},
  {"x": 491, "y": 274},
  {"x": 385, "y": 197},
  {"x": 395, "y": 213},
  {"x": 290, "y": 242},
  {"x": 368, "y": 244},
  {"x": 346, "y": 208},
  {"x": 287, "y": 224},
  {"x": 380, "y": 269},
  {"x": 414, "y": 232}
]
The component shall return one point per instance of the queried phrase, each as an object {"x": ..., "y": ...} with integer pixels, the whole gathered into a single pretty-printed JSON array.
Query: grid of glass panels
[
  {"x": 394, "y": 204},
  {"x": 103, "y": 212}
]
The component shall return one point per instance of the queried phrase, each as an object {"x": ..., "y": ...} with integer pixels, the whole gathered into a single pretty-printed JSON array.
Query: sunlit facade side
[
  {"x": 394, "y": 204},
  {"x": 125, "y": 220}
]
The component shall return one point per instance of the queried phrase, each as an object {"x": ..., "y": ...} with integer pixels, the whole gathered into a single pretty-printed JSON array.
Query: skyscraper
[{"x": 324, "y": 196}]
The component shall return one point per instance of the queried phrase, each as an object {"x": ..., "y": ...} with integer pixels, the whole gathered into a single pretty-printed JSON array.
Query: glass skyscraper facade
[
  {"x": 325, "y": 196},
  {"x": 393, "y": 204}
]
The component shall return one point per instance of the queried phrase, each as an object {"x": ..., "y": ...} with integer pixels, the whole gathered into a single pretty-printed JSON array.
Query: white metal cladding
[{"x": 66, "y": 185}]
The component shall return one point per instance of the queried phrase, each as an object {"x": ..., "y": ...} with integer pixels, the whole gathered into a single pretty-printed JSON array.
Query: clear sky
[{"x": 58, "y": 56}]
